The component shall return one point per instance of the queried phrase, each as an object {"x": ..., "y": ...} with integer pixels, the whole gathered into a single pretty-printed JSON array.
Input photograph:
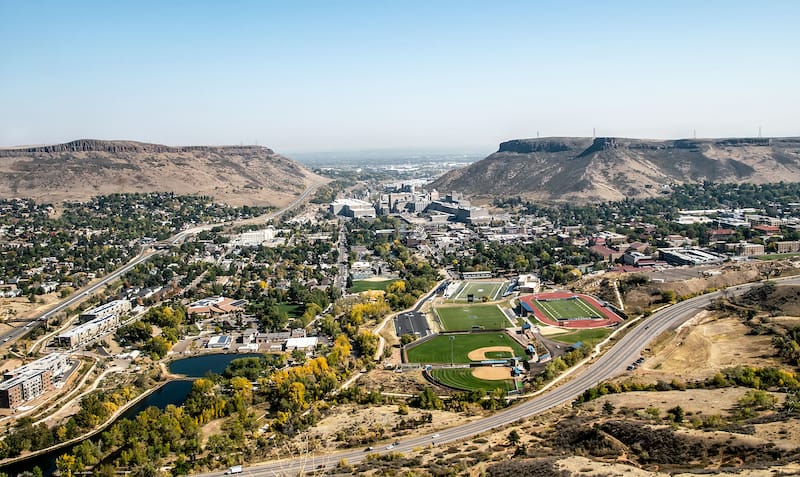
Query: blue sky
[{"x": 345, "y": 75}]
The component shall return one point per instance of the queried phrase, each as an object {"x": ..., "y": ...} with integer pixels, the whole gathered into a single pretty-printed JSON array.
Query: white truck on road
[{"x": 236, "y": 469}]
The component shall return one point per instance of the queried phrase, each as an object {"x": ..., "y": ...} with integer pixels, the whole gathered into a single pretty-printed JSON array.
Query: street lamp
[{"x": 452, "y": 360}]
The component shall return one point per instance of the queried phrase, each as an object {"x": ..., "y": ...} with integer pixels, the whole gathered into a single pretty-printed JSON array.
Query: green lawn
[
  {"x": 291, "y": 309},
  {"x": 491, "y": 290},
  {"x": 364, "y": 285},
  {"x": 437, "y": 350},
  {"x": 462, "y": 378},
  {"x": 587, "y": 337},
  {"x": 567, "y": 308},
  {"x": 777, "y": 256},
  {"x": 463, "y": 318}
]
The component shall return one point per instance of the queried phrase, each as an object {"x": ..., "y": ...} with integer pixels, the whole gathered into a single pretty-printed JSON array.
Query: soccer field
[
  {"x": 438, "y": 349},
  {"x": 466, "y": 317},
  {"x": 491, "y": 290},
  {"x": 568, "y": 309}
]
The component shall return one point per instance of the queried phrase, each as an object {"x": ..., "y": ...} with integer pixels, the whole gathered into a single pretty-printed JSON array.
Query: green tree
[
  {"x": 677, "y": 414},
  {"x": 65, "y": 463},
  {"x": 407, "y": 338}
]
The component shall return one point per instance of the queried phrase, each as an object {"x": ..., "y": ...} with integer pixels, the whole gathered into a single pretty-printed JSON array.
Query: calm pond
[{"x": 173, "y": 392}]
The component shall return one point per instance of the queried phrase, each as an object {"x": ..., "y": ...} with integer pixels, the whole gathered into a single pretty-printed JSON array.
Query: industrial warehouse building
[
  {"x": 689, "y": 256},
  {"x": 352, "y": 208}
]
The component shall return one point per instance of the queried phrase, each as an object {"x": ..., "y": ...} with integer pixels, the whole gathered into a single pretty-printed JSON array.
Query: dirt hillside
[
  {"x": 606, "y": 168},
  {"x": 78, "y": 170}
]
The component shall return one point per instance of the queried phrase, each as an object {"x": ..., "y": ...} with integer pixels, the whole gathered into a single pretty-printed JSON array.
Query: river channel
[{"x": 173, "y": 392}]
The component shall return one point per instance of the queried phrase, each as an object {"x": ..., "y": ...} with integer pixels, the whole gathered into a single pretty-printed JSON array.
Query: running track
[{"x": 611, "y": 318}]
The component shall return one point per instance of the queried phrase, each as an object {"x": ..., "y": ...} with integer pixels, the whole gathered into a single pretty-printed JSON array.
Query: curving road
[{"x": 611, "y": 363}]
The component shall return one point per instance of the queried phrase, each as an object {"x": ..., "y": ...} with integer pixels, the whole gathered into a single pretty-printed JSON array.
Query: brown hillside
[
  {"x": 77, "y": 170},
  {"x": 592, "y": 170}
]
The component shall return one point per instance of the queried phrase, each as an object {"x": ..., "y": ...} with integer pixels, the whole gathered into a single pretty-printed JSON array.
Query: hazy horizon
[{"x": 318, "y": 77}]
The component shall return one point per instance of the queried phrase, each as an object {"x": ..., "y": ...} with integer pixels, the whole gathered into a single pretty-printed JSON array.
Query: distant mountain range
[
  {"x": 608, "y": 168},
  {"x": 77, "y": 170}
]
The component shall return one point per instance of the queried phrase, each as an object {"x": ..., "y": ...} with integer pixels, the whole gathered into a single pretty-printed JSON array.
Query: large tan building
[
  {"x": 18, "y": 390},
  {"x": 30, "y": 381},
  {"x": 789, "y": 246},
  {"x": 87, "y": 331},
  {"x": 116, "y": 307}
]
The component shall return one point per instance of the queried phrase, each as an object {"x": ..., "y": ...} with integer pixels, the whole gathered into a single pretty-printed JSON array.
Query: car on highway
[
  {"x": 369, "y": 449},
  {"x": 435, "y": 436},
  {"x": 6, "y": 339},
  {"x": 390, "y": 447}
]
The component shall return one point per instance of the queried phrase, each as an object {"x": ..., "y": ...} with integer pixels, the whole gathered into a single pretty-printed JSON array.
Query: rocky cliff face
[
  {"x": 608, "y": 168},
  {"x": 80, "y": 169},
  {"x": 94, "y": 145}
]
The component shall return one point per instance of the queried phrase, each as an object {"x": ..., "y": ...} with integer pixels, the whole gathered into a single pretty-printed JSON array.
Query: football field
[
  {"x": 490, "y": 290},
  {"x": 568, "y": 309},
  {"x": 471, "y": 317}
]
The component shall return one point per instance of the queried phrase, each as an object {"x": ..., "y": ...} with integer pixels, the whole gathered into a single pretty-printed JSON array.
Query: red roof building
[
  {"x": 605, "y": 252},
  {"x": 768, "y": 229},
  {"x": 721, "y": 234}
]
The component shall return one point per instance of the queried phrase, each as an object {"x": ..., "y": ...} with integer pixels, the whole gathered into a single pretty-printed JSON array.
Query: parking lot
[{"x": 411, "y": 322}]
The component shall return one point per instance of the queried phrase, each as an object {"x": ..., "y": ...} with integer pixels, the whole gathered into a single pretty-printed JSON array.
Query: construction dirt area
[
  {"x": 351, "y": 425},
  {"x": 21, "y": 308},
  {"x": 407, "y": 382},
  {"x": 701, "y": 347}
]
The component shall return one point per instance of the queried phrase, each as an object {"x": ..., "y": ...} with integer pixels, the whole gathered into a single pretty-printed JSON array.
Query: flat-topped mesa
[
  {"x": 78, "y": 170},
  {"x": 584, "y": 169},
  {"x": 601, "y": 144},
  {"x": 548, "y": 144},
  {"x": 96, "y": 145},
  {"x": 744, "y": 141}
]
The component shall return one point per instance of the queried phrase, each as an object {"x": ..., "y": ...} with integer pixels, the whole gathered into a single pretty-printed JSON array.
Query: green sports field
[
  {"x": 568, "y": 309},
  {"x": 588, "y": 337},
  {"x": 776, "y": 256},
  {"x": 437, "y": 350},
  {"x": 462, "y": 378},
  {"x": 491, "y": 290},
  {"x": 364, "y": 285},
  {"x": 465, "y": 317}
]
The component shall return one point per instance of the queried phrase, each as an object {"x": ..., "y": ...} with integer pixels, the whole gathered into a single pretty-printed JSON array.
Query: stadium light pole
[{"x": 452, "y": 359}]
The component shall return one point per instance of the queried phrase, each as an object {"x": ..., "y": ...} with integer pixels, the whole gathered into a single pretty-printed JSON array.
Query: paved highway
[{"x": 610, "y": 364}]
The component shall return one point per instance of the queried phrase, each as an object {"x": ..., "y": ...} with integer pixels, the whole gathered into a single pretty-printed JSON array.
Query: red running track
[{"x": 611, "y": 318}]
